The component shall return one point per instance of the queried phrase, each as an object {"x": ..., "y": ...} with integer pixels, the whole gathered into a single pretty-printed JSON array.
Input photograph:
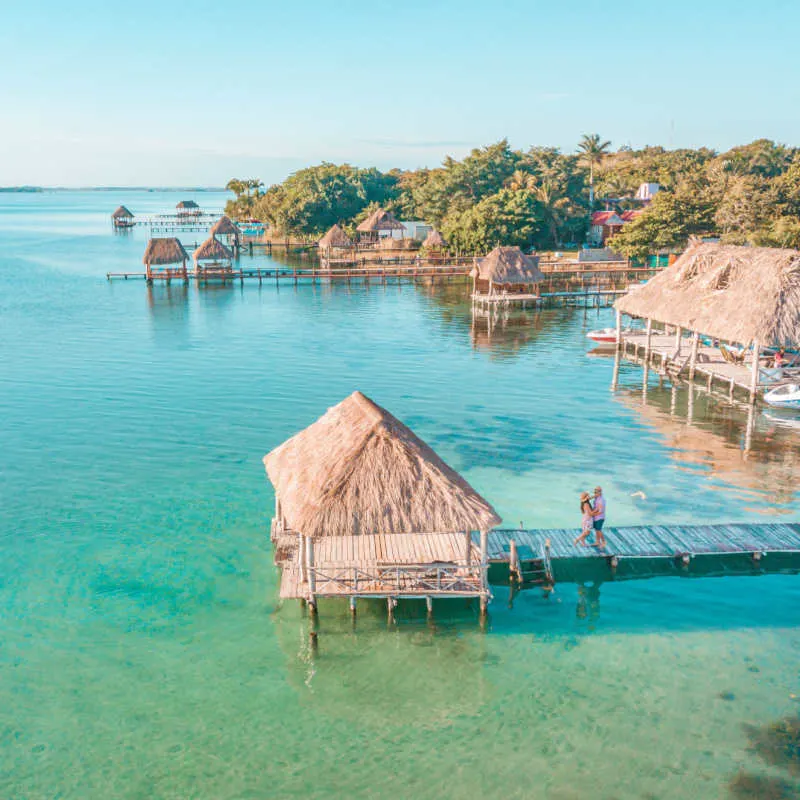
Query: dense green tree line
[{"x": 542, "y": 198}]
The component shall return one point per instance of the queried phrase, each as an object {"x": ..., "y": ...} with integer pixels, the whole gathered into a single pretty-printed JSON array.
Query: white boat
[
  {"x": 785, "y": 396},
  {"x": 605, "y": 335}
]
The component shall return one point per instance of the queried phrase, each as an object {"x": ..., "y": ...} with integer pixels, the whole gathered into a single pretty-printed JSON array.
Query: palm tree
[
  {"x": 592, "y": 152},
  {"x": 520, "y": 179},
  {"x": 552, "y": 203}
]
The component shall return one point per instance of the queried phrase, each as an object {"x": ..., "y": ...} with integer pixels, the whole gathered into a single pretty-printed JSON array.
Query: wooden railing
[{"x": 405, "y": 579}]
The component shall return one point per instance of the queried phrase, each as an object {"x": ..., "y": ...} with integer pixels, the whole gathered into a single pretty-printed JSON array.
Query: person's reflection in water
[{"x": 588, "y": 606}]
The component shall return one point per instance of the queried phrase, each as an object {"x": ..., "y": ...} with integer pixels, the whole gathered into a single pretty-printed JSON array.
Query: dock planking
[{"x": 650, "y": 542}]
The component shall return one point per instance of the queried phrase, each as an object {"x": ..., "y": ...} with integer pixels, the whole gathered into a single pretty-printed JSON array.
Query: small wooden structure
[
  {"x": 122, "y": 218},
  {"x": 212, "y": 260},
  {"x": 434, "y": 242},
  {"x": 335, "y": 238},
  {"x": 603, "y": 225},
  {"x": 364, "y": 508},
  {"x": 159, "y": 259},
  {"x": 226, "y": 230},
  {"x": 379, "y": 225},
  {"x": 505, "y": 276},
  {"x": 188, "y": 208},
  {"x": 748, "y": 296}
]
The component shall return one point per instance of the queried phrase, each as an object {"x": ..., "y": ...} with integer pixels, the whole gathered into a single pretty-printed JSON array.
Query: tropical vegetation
[{"x": 542, "y": 198}]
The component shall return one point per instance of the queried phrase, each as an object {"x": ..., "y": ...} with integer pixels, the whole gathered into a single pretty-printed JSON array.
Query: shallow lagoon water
[{"x": 144, "y": 651}]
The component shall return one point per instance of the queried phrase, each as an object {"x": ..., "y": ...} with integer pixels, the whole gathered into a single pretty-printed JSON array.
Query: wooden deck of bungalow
[{"x": 710, "y": 367}]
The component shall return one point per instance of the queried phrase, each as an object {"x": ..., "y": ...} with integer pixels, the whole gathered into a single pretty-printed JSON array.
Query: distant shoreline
[{"x": 35, "y": 189}]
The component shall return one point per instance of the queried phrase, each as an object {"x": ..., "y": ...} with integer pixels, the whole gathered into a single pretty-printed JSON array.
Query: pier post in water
[
  {"x": 754, "y": 371},
  {"x": 693, "y": 358},
  {"x": 311, "y": 575},
  {"x": 647, "y": 340},
  {"x": 484, "y": 571}
]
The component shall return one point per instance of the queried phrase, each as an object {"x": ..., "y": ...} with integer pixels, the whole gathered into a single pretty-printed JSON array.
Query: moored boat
[
  {"x": 785, "y": 396},
  {"x": 605, "y": 335}
]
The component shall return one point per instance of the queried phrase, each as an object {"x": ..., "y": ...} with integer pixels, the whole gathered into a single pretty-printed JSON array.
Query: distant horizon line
[{"x": 35, "y": 188}]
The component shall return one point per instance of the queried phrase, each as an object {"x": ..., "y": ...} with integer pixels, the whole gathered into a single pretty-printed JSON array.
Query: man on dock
[{"x": 599, "y": 513}]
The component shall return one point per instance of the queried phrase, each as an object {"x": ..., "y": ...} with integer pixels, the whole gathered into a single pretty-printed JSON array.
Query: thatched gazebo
[
  {"x": 359, "y": 470},
  {"x": 216, "y": 257},
  {"x": 163, "y": 253},
  {"x": 334, "y": 238},
  {"x": 224, "y": 226},
  {"x": 379, "y": 225},
  {"x": 749, "y": 296},
  {"x": 434, "y": 241},
  {"x": 359, "y": 481},
  {"x": 505, "y": 271},
  {"x": 187, "y": 208},
  {"x": 122, "y": 218}
]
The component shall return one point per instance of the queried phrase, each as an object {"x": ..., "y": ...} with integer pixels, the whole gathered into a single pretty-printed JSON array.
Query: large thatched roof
[
  {"x": 508, "y": 265},
  {"x": 335, "y": 237},
  {"x": 357, "y": 470},
  {"x": 224, "y": 227},
  {"x": 184, "y": 204},
  {"x": 122, "y": 213},
  {"x": 212, "y": 249},
  {"x": 164, "y": 251},
  {"x": 380, "y": 220},
  {"x": 738, "y": 294},
  {"x": 434, "y": 239}
]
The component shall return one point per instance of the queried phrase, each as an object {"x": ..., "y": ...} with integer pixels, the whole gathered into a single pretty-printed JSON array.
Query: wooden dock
[
  {"x": 655, "y": 549},
  {"x": 671, "y": 357},
  {"x": 398, "y": 566}
]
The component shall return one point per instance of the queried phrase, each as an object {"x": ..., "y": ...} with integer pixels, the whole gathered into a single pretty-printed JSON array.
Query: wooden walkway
[{"x": 671, "y": 543}]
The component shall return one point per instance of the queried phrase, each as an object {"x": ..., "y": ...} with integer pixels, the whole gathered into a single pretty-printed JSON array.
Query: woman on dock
[{"x": 587, "y": 520}]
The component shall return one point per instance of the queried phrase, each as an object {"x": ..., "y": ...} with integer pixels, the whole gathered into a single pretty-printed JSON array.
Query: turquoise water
[{"x": 144, "y": 651}]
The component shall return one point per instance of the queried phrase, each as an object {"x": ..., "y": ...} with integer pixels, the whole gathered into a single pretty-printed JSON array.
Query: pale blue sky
[{"x": 194, "y": 92}]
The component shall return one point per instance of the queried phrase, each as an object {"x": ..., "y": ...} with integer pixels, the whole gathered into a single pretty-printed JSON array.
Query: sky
[{"x": 193, "y": 93}]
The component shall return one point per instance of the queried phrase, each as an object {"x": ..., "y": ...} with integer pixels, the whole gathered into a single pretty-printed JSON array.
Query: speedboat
[
  {"x": 605, "y": 335},
  {"x": 784, "y": 396}
]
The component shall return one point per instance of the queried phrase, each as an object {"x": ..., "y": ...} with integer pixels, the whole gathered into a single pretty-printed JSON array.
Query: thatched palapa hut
[
  {"x": 224, "y": 226},
  {"x": 505, "y": 271},
  {"x": 122, "y": 218},
  {"x": 749, "y": 296},
  {"x": 163, "y": 253},
  {"x": 217, "y": 257},
  {"x": 359, "y": 470},
  {"x": 334, "y": 238},
  {"x": 358, "y": 478},
  {"x": 379, "y": 225},
  {"x": 188, "y": 208},
  {"x": 434, "y": 241}
]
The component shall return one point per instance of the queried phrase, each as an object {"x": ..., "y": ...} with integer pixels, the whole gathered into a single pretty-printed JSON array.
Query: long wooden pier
[{"x": 546, "y": 556}]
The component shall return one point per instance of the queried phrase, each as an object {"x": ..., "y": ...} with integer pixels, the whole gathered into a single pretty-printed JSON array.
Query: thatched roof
[
  {"x": 164, "y": 251},
  {"x": 357, "y": 470},
  {"x": 335, "y": 237},
  {"x": 738, "y": 294},
  {"x": 224, "y": 227},
  {"x": 212, "y": 249},
  {"x": 380, "y": 220},
  {"x": 434, "y": 239},
  {"x": 508, "y": 265},
  {"x": 122, "y": 213},
  {"x": 187, "y": 204}
]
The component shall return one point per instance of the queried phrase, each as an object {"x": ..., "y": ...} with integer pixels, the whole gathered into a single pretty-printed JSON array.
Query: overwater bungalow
[
  {"x": 745, "y": 297},
  {"x": 122, "y": 218},
  {"x": 212, "y": 259},
  {"x": 188, "y": 208},
  {"x": 160, "y": 258},
  {"x": 226, "y": 230},
  {"x": 505, "y": 276},
  {"x": 380, "y": 224},
  {"x": 335, "y": 238},
  {"x": 364, "y": 508}
]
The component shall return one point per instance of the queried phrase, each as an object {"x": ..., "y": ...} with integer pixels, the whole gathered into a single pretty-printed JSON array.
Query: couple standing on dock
[{"x": 593, "y": 516}]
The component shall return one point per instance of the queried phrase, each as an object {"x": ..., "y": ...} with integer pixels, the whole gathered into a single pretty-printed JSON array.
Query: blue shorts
[{"x": 597, "y": 524}]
